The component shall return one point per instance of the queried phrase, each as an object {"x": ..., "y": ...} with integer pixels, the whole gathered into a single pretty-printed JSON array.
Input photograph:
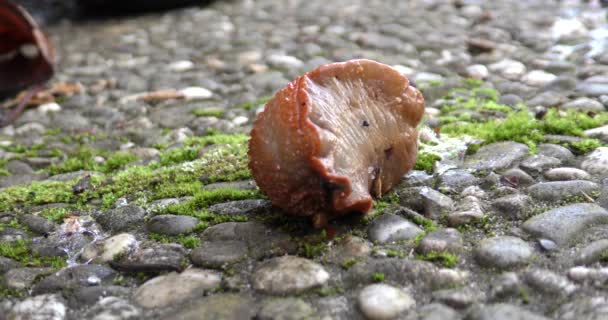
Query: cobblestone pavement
[{"x": 119, "y": 205}]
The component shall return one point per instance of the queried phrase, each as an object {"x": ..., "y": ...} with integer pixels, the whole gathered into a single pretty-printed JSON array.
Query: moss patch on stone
[
  {"x": 20, "y": 251},
  {"x": 445, "y": 259}
]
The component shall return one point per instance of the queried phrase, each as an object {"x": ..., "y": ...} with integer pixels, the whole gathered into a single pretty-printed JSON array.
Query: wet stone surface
[{"x": 120, "y": 202}]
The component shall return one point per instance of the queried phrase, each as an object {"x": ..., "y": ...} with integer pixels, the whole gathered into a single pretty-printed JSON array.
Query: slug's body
[{"x": 334, "y": 137}]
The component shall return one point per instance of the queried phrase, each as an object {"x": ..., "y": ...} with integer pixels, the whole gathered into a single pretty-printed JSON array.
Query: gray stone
[
  {"x": 547, "y": 99},
  {"x": 456, "y": 180},
  {"x": 241, "y": 185},
  {"x": 564, "y": 174},
  {"x": 350, "y": 248},
  {"x": 505, "y": 285},
  {"x": 598, "y": 133},
  {"x": 458, "y": 298},
  {"x": 286, "y": 309},
  {"x": 219, "y": 254},
  {"x": 122, "y": 219},
  {"x": 592, "y": 89},
  {"x": 584, "y": 105},
  {"x": 175, "y": 288},
  {"x": 335, "y": 307},
  {"x": 591, "y": 308},
  {"x": 37, "y": 224},
  {"x": 75, "y": 277},
  {"x": 592, "y": 253},
  {"x": 7, "y": 264},
  {"x": 548, "y": 281},
  {"x": 426, "y": 200},
  {"x": 596, "y": 162},
  {"x": 41, "y": 307},
  {"x": 538, "y": 163},
  {"x": 107, "y": 249},
  {"x": 244, "y": 207},
  {"x": 517, "y": 177},
  {"x": 602, "y": 200},
  {"x": 89, "y": 296},
  {"x": 441, "y": 240},
  {"x": 514, "y": 206},
  {"x": 226, "y": 306},
  {"x": 18, "y": 167},
  {"x": 556, "y": 151},
  {"x": 390, "y": 227},
  {"x": 565, "y": 224},
  {"x": 153, "y": 257},
  {"x": 497, "y": 156},
  {"x": 502, "y": 311},
  {"x": 382, "y": 301},
  {"x": 113, "y": 308},
  {"x": 23, "y": 278},
  {"x": 171, "y": 225},
  {"x": 9, "y": 234},
  {"x": 562, "y": 190},
  {"x": 470, "y": 209},
  {"x": 503, "y": 252},
  {"x": 288, "y": 275}
]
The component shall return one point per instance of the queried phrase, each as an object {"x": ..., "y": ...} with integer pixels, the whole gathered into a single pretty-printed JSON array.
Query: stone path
[{"x": 120, "y": 205}]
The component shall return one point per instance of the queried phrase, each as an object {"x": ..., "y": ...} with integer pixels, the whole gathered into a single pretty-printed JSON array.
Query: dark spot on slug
[
  {"x": 388, "y": 152},
  {"x": 365, "y": 123}
]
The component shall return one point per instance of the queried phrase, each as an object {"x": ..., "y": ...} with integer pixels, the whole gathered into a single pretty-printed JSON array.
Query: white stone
[
  {"x": 288, "y": 274},
  {"x": 596, "y": 162},
  {"x": 285, "y": 61},
  {"x": 181, "y": 65},
  {"x": 478, "y": 71},
  {"x": 196, "y": 93},
  {"x": 383, "y": 302},
  {"x": 422, "y": 77},
  {"x": 568, "y": 28},
  {"x": 41, "y": 307},
  {"x": 508, "y": 68},
  {"x": 50, "y": 107},
  {"x": 562, "y": 174},
  {"x": 598, "y": 133},
  {"x": 174, "y": 288},
  {"x": 113, "y": 308},
  {"x": 538, "y": 78},
  {"x": 240, "y": 120},
  {"x": 29, "y": 128},
  {"x": 106, "y": 250}
]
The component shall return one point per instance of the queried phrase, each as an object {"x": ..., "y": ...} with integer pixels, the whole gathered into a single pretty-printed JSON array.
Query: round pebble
[{"x": 383, "y": 302}]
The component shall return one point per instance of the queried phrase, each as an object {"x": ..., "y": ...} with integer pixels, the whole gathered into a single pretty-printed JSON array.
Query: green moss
[
  {"x": 349, "y": 263},
  {"x": 445, "y": 259},
  {"x": 55, "y": 214},
  {"x": 377, "y": 277},
  {"x": 253, "y": 104},
  {"x": 312, "y": 246},
  {"x": 35, "y": 194},
  {"x": 426, "y": 161},
  {"x": 178, "y": 155},
  {"x": 83, "y": 159},
  {"x": 207, "y": 112},
  {"x": 329, "y": 291},
  {"x": 189, "y": 242},
  {"x": 585, "y": 145},
  {"x": 19, "y": 250},
  {"x": 419, "y": 238},
  {"x": 395, "y": 254},
  {"x": 204, "y": 198},
  {"x": 428, "y": 224}
]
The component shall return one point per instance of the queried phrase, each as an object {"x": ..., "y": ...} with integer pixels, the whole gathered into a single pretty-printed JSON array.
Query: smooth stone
[
  {"x": 171, "y": 225},
  {"x": 18, "y": 167},
  {"x": 470, "y": 209},
  {"x": 382, "y": 301},
  {"x": 518, "y": 177},
  {"x": 72, "y": 278},
  {"x": 497, "y": 156},
  {"x": 389, "y": 228},
  {"x": 224, "y": 306},
  {"x": 350, "y": 248},
  {"x": 546, "y": 99},
  {"x": 548, "y": 245},
  {"x": 503, "y": 252},
  {"x": 433, "y": 311},
  {"x": 600, "y": 133},
  {"x": 37, "y": 224},
  {"x": 122, "y": 219},
  {"x": 564, "y": 225},
  {"x": 562, "y": 190},
  {"x": 153, "y": 256},
  {"x": 584, "y": 105},
  {"x": 538, "y": 78},
  {"x": 502, "y": 311},
  {"x": 556, "y": 151},
  {"x": 244, "y": 207},
  {"x": 7, "y": 264},
  {"x": 592, "y": 253},
  {"x": 566, "y": 174},
  {"x": 105, "y": 250},
  {"x": 477, "y": 71},
  {"x": 441, "y": 240},
  {"x": 456, "y": 180},
  {"x": 288, "y": 275},
  {"x": 592, "y": 307},
  {"x": 88, "y": 296},
  {"x": 593, "y": 89},
  {"x": 458, "y": 298},
  {"x": 426, "y": 200},
  {"x": 219, "y": 254},
  {"x": 175, "y": 288},
  {"x": 597, "y": 276},
  {"x": 514, "y": 206},
  {"x": 113, "y": 308},
  {"x": 596, "y": 162},
  {"x": 602, "y": 200},
  {"x": 23, "y": 278},
  {"x": 9, "y": 234},
  {"x": 504, "y": 285},
  {"x": 286, "y": 309},
  {"x": 550, "y": 282},
  {"x": 40, "y": 307},
  {"x": 536, "y": 164},
  {"x": 508, "y": 68}
]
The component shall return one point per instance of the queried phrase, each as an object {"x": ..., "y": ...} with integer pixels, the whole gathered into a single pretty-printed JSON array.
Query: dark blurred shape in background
[{"x": 50, "y": 11}]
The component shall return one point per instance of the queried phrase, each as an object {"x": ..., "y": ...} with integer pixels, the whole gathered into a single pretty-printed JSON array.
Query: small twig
[{"x": 587, "y": 197}]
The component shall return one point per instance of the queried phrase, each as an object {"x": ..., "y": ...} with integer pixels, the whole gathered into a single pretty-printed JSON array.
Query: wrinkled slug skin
[{"x": 334, "y": 137}]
